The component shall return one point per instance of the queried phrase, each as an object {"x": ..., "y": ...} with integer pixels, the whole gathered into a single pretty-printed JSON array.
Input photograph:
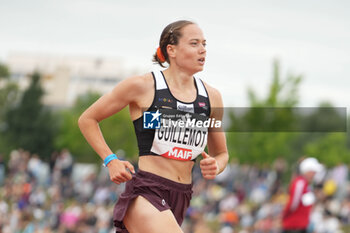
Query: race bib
[{"x": 181, "y": 136}]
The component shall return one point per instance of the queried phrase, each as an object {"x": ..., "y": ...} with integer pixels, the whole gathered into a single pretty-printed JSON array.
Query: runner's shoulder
[
  {"x": 140, "y": 83},
  {"x": 214, "y": 95}
]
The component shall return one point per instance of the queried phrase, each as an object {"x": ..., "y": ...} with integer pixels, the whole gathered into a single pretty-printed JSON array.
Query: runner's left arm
[{"x": 215, "y": 162}]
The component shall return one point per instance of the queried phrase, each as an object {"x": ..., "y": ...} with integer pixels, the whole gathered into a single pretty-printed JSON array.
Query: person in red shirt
[{"x": 295, "y": 216}]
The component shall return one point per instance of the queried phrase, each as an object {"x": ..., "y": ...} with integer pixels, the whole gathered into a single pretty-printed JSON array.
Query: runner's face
[{"x": 190, "y": 52}]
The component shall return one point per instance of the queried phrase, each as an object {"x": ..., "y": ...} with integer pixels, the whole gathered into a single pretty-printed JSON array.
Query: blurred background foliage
[
  {"x": 256, "y": 136},
  {"x": 25, "y": 122},
  {"x": 117, "y": 130}
]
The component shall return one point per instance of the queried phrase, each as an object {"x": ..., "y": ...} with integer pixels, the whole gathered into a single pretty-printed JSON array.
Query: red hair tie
[{"x": 160, "y": 55}]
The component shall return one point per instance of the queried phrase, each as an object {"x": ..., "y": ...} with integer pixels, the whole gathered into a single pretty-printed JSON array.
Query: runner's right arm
[{"x": 126, "y": 92}]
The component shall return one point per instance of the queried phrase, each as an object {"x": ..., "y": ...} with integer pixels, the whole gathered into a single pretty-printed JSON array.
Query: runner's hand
[
  {"x": 118, "y": 171},
  {"x": 209, "y": 166}
]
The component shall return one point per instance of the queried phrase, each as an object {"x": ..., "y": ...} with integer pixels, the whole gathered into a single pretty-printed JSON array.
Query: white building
[{"x": 64, "y": 78}]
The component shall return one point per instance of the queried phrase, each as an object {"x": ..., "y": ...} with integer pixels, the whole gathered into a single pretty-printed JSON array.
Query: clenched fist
[
  {"x": 209, "y": 166},
  {"x": 118, "y": 171}
]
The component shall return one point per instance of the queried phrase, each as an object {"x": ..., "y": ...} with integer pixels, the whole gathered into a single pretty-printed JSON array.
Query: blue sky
[{"x": 311, "y": 38}]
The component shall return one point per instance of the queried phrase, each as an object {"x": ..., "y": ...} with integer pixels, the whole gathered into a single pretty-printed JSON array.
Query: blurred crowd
[
  {"x": 248, "y": 199},
  {"x": 63, "y": 196}
]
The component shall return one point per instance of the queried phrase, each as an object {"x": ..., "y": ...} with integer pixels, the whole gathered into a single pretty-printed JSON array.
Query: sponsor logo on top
[{"x": 179, "y": 153}]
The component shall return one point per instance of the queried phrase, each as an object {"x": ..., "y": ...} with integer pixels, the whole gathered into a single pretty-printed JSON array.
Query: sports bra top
[{"x": 172, "y": 128}]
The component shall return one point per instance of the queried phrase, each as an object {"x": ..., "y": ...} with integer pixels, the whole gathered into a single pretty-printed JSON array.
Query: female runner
[{"x": 156, "y": 197}]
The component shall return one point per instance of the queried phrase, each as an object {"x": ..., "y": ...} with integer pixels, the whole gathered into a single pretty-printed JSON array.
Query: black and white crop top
[{"x": 181, "y": 132}]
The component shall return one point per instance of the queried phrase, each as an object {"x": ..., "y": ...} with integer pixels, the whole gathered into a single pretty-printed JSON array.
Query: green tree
[
  {"x": 330, "y": 144},
  {"x": 331, "y": 149},
  {"x": 29, "y": 124},
  {"x": 348, "y": 133},
  {"x": 262, "y": 132},
  {"x": 325, "y": 118},
  {"x": 8, "y": 97},
  {"x": 272, "y": 128},
  {"x": 4, "y": 71},
  {"x": 117, "y": 131}
]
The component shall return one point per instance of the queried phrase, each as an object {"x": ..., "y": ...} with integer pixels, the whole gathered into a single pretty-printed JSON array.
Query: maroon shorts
[{"x": 162, "y": 193}]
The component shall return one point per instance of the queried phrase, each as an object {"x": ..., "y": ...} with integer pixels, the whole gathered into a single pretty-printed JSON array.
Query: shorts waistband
[{"x": 164, "y": 181}]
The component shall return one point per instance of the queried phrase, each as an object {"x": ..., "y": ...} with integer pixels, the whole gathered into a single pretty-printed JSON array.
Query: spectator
[
  {"x": 217, "y": 206},
  {"x": 295, "y": 218}
]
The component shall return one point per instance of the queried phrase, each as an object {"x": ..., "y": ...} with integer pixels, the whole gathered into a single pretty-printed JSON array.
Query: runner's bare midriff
[{"x": 178, "y": 171}]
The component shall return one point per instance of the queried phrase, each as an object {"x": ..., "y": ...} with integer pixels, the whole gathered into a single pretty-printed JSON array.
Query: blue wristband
[{"x": 108, "y": 159}]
